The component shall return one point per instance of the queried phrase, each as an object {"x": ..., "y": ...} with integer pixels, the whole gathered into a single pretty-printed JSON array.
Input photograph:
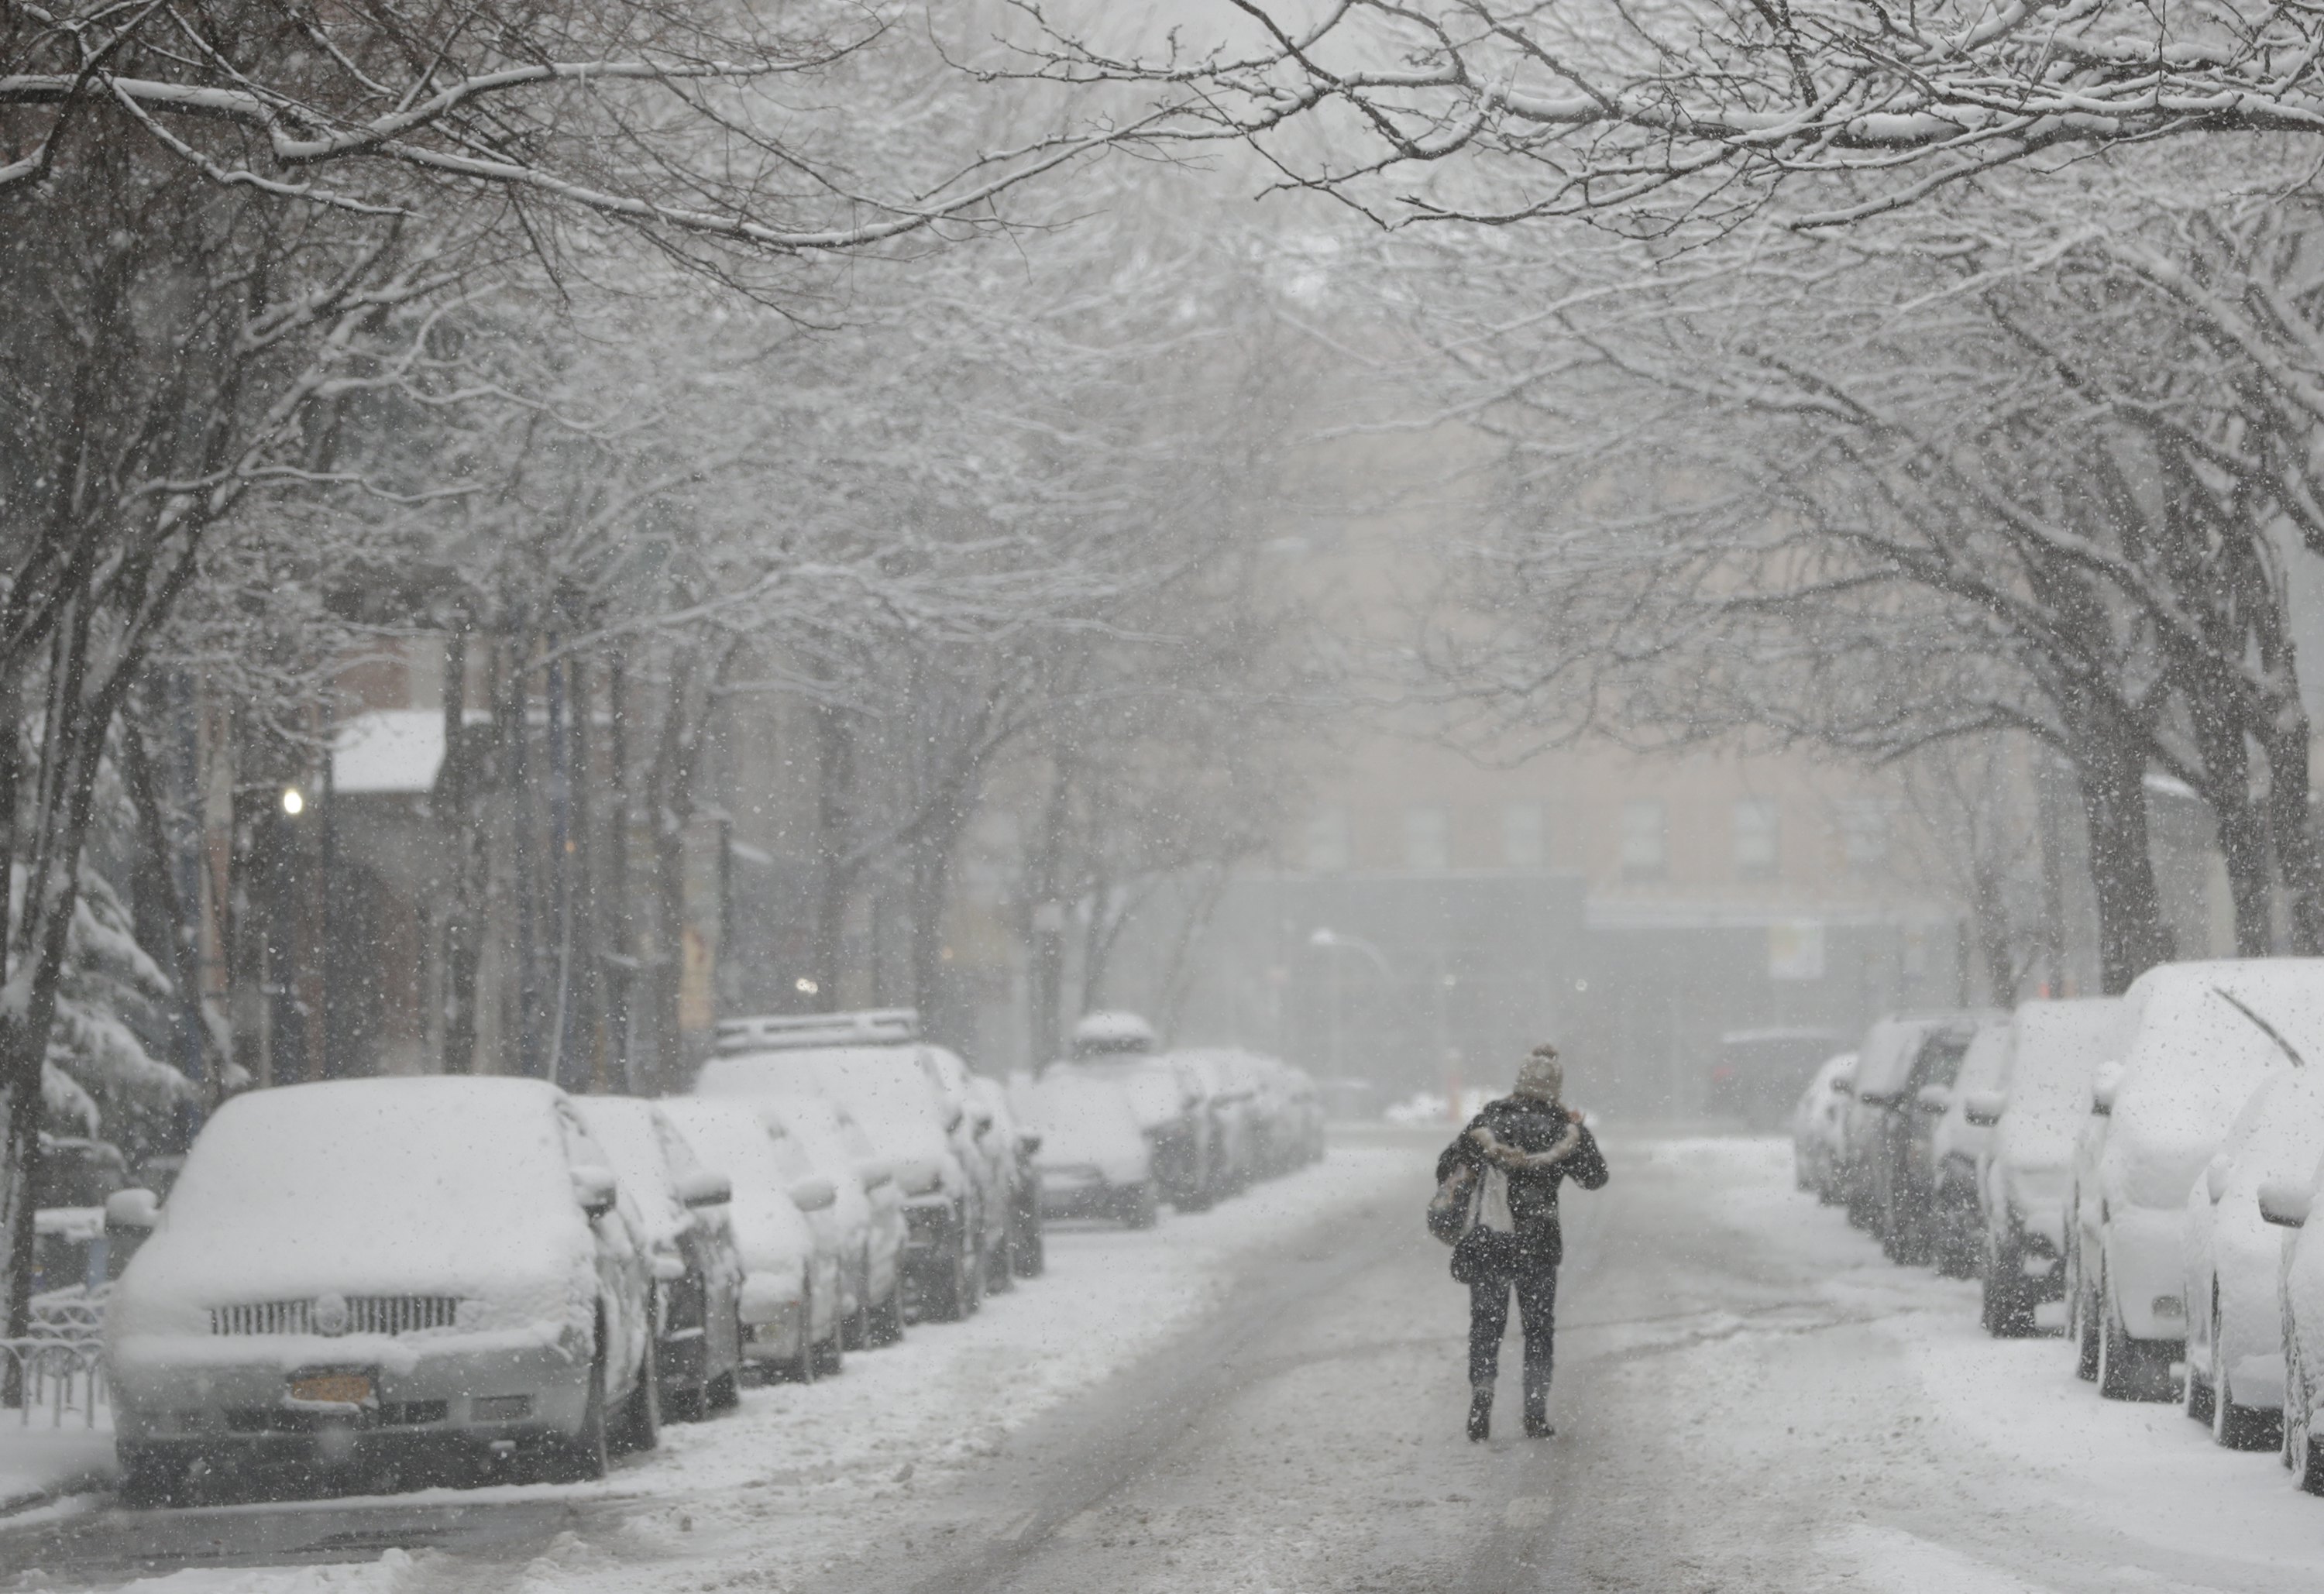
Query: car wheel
[
  {"x": 152, "y": 1478},
  {"x": 2233, "y": 1426},
  {"x": 804, "y": 1364},
  {"x": 2128, "y": 1369},
  {"x": 945, "y": 1299},
  {"x": 972, "y": 1269},
  {"x": 1140, "y": 1209},
  {"x": 1031, "y": 1251},
  {"x": 1000, "y": 1267},
  {"x": 640, "y": 1426},
  {"x": 2301, "y": 1453},
  {"x": 1994, "y": 1289},
  {"x": 2081, "y": 1321},
  {"x": 584, "y": 1456},
  {"x": 2199, "y": 1397},
  {"x": 887, "y": 1325}
]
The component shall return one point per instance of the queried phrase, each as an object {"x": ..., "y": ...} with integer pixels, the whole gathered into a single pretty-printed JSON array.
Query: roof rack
[{"x": 776, "y": 1032}]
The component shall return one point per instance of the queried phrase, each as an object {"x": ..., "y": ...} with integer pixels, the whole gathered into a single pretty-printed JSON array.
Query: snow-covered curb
[
  {"x": 40, "y": 1465},
  {"x": 792, "y": 1483}
]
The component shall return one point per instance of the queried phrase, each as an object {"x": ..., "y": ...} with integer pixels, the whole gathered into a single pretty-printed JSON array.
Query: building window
[
  {"x": 1864, "y": 832},
  {"x": 1756, "y": 838},
  {"x": 1645, "y": 845},
  {"x": 1525, "y": 836},
  {"x": 1327, "y": 842},
  {"x": 1427, "y": 839}
]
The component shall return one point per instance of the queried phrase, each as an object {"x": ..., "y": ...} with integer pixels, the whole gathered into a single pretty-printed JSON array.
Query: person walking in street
[{"x": 1502, "y": 1175}]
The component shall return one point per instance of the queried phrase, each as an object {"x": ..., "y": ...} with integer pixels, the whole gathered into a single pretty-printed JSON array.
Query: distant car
[
  {"x": 1757, "y": 1073},
  {"x": 2235, "y": 1261},
  {"x": 2201, "y": 1036},
  {"x": 691, "y": 1241},
  {"x": 1949, "y": 1145},
  {"x": 793, "y": 1295},
  {"x": 1884, "y": 1064},
  {"x": 990, "y": 1161},
  {"x": 1016, "y": 1218},
  {"x": 1093, "y": 1161},
  {"x": 1815, "y": 1128},
  {"x": 1902, "y": 1180},
  {"x": 1229, "y": 1113},
  {"x": 2026, "y": 1171},
  {"x": 1167, "y": 1102},
  {"x": 366, "y": 1269},
  {"x": 871, "y": 1212},
  {"x": 870, "y": 1062}
]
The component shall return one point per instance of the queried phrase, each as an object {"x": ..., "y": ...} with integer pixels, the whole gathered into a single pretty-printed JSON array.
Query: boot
[
  {"x": 1481, "y": 1412},
  {"x": 1536, "y": 1411}
]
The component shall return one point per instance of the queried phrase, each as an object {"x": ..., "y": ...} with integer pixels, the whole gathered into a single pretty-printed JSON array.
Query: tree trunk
[
  {"x": 468, "y": 860},
  {"x": 621, "y": 973},
  {"x": 2242, "y": 837},
  {"x": 669, "y": 791},
  {"x": 835, "y": 742},
  {"x": 2131, "y": 937},
  {"x": 527, "y": 1055}
]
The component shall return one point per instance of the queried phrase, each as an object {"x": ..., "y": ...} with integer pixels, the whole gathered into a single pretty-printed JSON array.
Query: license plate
[{"x": 332, "y": 1388}]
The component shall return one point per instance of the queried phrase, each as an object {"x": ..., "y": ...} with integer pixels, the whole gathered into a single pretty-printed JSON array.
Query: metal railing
[{"x": 58, "y": 1376}]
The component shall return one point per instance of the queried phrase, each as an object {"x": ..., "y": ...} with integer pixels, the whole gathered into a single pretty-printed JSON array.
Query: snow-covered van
[
  {"x": 381, "y": 1265},
  {"x": 2202, "y": 1037}
]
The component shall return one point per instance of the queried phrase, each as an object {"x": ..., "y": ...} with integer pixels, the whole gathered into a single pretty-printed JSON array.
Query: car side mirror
[
  {"x": 813, "y": 1193},
  {"x": 131, "y": 1210},
  {"x": 1984, "y": 1108},
  {"x": 2105, "y": 1085},
  {"x": 874, "y": 1172},
  {"x": 953, "y": 1115},
  {"x": 984, "y": 1120},
  {"x": 705, "y": 1187},
  {"x": 2285, "y": 1204},
  {"x": 1934, "y": 1098},
  {"x": 1029, "y": 1141},
  {"x": 2215, "y": 1177},
  {"x": 594, "y": 1188}
]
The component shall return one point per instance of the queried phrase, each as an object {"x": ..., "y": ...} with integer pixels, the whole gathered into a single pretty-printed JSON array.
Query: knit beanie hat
[{"x": 1541, "y": 1075}]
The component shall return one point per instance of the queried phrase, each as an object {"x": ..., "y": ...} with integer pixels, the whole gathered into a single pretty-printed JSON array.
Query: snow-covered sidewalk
[
  {"x": 39, "y": 1463},
  {"x": 791, "y": 1484}
]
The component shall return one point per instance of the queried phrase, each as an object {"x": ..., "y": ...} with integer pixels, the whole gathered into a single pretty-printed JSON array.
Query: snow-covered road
[{"x": 1269, "y": 1398}]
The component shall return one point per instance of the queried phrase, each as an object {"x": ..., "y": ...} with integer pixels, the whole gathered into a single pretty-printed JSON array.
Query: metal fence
[
  {"x": 62, "y": 1378},
  {"x": 60, "y": 1363}
]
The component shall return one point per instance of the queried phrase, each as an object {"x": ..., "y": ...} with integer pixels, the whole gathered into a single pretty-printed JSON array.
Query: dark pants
[{"x": 1489, "y": 1320}]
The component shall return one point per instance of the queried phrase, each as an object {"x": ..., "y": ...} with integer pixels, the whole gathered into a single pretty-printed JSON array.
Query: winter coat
[{"x": 1534, "y": 1241}]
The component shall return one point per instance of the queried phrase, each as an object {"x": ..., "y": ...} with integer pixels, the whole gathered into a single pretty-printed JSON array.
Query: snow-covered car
[
  {"x": 871, "y": 1063},
  {"x": 1016, "y": 1219},
  {"x": 1230, "y": 1125},
  {"x": 1166, "y": 1101},
  {"x": 791, "y": 1298},
  {"x": 870, "y": 1213},
  {"x": 2025, "y": 1172},
  {"x": 1884, "y": 1064},
  {"x": 689, "y": 1237},
  {"x": 2291, "y": 1206},
  {"x": 1955, "y": 1149},
  {"x": 2235, "y": 1261},
  {"x": 363, "y": 1268},
  {"x": 1816, "y": 1127},
  {"x": 1094, "y": 1161},
  {"x": 2201, "y": 1039},
  {"x": 982, "y": 1153}
]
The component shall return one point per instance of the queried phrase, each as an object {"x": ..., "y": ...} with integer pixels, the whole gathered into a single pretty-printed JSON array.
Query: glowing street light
[{"x": 294, "y": 801}]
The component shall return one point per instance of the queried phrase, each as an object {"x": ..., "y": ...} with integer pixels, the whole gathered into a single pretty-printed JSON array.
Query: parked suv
[
  {"x": 1897, "y": 1112},
  {"x": 366, "y": 1269}
]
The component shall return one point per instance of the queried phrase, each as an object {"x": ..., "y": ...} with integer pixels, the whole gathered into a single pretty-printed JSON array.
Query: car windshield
[{"x": 319, "y": 1163}]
